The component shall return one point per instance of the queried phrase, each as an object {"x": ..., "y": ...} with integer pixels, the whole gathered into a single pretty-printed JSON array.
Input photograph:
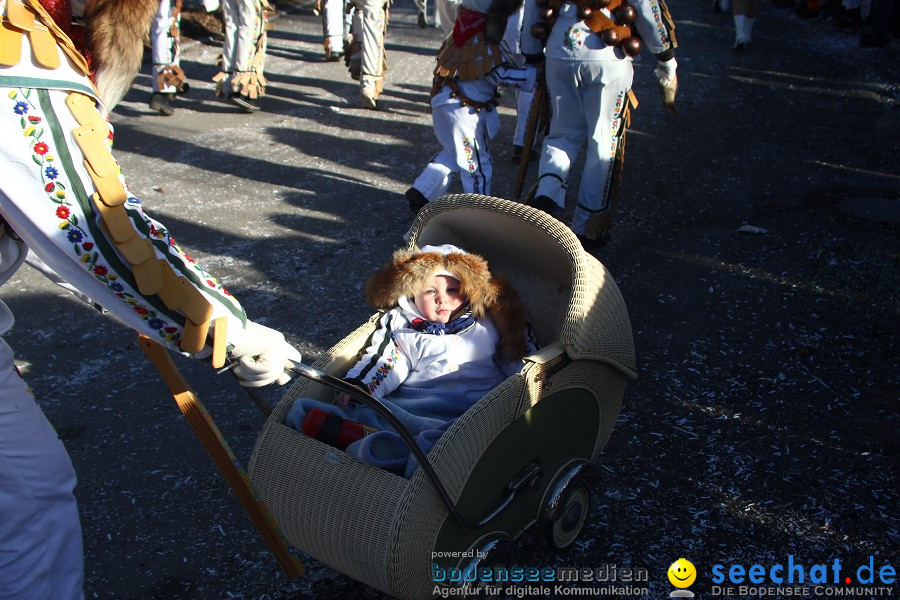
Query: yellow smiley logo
[{"x": 682, "y": 573}]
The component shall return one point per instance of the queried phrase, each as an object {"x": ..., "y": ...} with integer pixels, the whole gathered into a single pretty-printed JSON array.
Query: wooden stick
[{"x": 209, "y": 435}]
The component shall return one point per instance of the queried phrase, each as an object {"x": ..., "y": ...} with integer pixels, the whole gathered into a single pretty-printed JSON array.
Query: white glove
[
  {"x": 668, "y": 82},
  {"x": 263, "y": 356}
]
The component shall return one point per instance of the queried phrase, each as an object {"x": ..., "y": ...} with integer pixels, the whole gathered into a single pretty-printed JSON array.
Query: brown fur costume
[
  {"x": 116, "y": 33},
  {"x": 410, "y": 272},
  {"x": 497, "y": 17}
]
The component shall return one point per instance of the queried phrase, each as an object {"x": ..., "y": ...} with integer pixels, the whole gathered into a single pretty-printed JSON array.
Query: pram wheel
[
  {"x": 567, "y": 504},
  {"x": 573, "y": 514}
]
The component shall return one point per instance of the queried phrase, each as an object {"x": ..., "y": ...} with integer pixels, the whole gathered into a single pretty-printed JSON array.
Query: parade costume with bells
[
  {"x": 241, "y": 80},
  {"x": 429, "y": 373},
  {"x": 62, "y": 196},
  {"x": 589, "y": 72},
  {"x": 167, "y": 78},
  {"x": 471, "y": 65}
]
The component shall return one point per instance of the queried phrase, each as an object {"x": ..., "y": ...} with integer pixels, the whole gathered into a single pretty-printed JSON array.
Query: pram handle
[{"x": 524, "y": 480}]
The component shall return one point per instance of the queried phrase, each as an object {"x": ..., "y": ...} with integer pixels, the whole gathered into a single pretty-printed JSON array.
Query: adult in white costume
[
  {"x": 241, "y": 81},
  {"x": 63, "y": 197},
  {"x": 589, "y": 74},
  {"x": 367, "y": 62},
  {"x": 165, "y": 40},
  {"x": 335, "y": 28},
  {"x": 470, "y": 68},
  {"x": 512, "y": 41}
]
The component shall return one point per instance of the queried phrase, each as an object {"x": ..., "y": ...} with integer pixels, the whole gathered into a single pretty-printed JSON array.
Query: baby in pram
[{"x": 452, "y": 331}]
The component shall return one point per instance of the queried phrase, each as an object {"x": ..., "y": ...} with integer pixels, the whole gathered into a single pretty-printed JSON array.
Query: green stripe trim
[
  {"x": 187, "y": 271},
  {"x": 374, "y": 361},
  {"x": 52, "y": 84},
  {"x": 102, "y": 244}
]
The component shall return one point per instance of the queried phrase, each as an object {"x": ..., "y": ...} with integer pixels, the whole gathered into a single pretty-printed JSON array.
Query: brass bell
[
  {"x": 547, "y": 13},
  {"x": 609, "y": 37},
  {"x": 626, "y": 14},
  {"x": 540, "y": 31},
  {"x": 632, "y": 46},
  {"x": 584, "y": 12}
]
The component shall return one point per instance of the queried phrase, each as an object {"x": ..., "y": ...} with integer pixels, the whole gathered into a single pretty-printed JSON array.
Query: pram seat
[{"x": 552, "y": 418}]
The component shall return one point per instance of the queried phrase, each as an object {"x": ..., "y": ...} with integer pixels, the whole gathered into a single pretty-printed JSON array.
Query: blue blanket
[{"x": 385, "y": 448}]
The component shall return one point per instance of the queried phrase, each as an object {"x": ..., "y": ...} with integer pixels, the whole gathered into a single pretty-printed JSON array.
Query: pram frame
[{"x": 379, "y": 528}]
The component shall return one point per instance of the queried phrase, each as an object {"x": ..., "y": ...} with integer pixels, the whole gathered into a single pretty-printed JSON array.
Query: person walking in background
[
  {"x": 368, "y": 62},
  {"x": 589, "y": 73},
  {"x": 165, "y": 38},
  {"x": 512, "y": 41},
  {"x": 241, "y": 80},
  {"x": 335, "y": 28},
  {"x": 471, "y": 64},
  {"x": 744, "y": 13}
]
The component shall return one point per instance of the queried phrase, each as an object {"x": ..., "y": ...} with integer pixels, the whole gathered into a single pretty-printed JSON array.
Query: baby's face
[{"x": 440, "y": 299}]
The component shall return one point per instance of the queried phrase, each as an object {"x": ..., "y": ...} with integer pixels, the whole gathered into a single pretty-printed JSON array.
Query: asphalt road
[{"x": 756, "y": 248}]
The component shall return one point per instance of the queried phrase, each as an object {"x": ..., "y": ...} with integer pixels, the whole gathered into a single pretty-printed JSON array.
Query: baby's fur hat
[{"x": 411, "y": 271}]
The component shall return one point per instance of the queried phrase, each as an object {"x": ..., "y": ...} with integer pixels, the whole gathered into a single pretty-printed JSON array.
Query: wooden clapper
[{"x": 206, "y": 430}]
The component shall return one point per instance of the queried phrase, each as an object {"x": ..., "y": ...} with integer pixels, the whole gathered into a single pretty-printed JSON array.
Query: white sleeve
[
  {"x": 384, "y": 366},
  {"x": 655, "y": 25},
  {"x": 48, "y": 197}
]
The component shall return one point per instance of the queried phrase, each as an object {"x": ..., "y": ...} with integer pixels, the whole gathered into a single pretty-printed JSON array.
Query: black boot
[
  {"x": 416, "y": 200},
  {"x": 162, "y": 103}
]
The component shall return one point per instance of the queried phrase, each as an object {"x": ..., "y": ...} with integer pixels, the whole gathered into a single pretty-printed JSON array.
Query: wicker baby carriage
[{"x": 516, "y": 458}]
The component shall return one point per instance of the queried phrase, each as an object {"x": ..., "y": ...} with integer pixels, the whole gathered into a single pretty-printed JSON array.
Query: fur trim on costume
[
  {"x": 497, "y": 17},
  {"x": 410, "y": 272},
  {"x": 116, "y": 33}
]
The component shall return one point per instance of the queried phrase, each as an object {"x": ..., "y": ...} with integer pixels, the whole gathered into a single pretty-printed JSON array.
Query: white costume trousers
[
  {"x": 369, "y": 24},
  {"x": 335, "y": 24},
  {"x": 165, "y": 45},
  {"x": 588, "y": 100},
  {"x": 40, "y": 533},
  {"x": 523, "y": 106},
  {"x": 244, "y": 26},
  {"x": 463, "y": 133}
]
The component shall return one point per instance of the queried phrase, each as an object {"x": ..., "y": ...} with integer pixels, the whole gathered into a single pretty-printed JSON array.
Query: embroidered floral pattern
[
  {"x": 69, "y": 220},
  {"x": 614, "y": 141},
  {"x": 574, "y": 37},
  {"x": 471, "y": 165},
  {"x": 660, "y": 28},
  {"x": 383, "y": 370}
]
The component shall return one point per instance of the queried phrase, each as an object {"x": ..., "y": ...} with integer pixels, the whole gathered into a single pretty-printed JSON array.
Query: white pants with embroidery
[
  {"x": 244, "y": 32},
  {"x": 369, "y": 25},
  {"x": 587, "y": 102},
  {"x": 165, "y": 45},
  {"x": 463, "y": 132}
]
